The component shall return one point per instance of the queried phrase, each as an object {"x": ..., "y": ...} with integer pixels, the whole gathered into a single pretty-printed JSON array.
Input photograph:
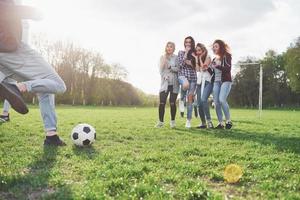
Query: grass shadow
[
  {"x": 88, "y": 152},
  {"x": 282, "y": 143},
  {"x": 34, "y": 181}
]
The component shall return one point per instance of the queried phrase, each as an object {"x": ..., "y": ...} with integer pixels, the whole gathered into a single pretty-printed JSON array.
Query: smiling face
[
  {"x": 199, "y": 51},
  {"x": 170, "y": 48},
  {"x": 188, "y": 43},
  {"x": 216, "y": 49}
]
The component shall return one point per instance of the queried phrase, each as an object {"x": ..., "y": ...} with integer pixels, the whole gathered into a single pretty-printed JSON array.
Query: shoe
[
  {"x": 172, "y": 124},
  {"x": 181, "y": 106},
  {"x": 203, "y": 126},
  {"x": 182, "y": 114},
  {"x": 159, "y": 125},
  {"x": 188, "y": 124},
  {"x": 220, "y": 126},
  {"x": 54, "y": 141},
  {"x": 4, "y": 118},
  {"x": 210, "y": 125},
  {"x": 12, "y": 94},
  {"x": 228, "y": 125}
]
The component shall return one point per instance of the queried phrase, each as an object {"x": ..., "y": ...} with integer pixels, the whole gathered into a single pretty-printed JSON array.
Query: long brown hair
[
  {"x": 203, "y": 48},
  {"x": 192, "y": 50},
  {"x": 224, "y": 48}
]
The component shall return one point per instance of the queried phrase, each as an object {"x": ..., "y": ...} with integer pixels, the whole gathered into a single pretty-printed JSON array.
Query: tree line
[
  {"x": 281, "y": 80},
  {"x": 89, "y": 80}
]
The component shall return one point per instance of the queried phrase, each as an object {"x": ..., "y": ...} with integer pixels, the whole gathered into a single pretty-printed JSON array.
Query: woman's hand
[
  {"x": 188, "y": 62},
  {"x": 195, "y": 56}
]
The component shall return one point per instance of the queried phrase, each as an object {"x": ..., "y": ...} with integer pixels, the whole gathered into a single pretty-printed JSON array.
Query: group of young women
[{"x": 193, "y": 73}]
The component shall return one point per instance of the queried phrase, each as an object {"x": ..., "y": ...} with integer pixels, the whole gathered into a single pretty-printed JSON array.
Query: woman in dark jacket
[{"x": 222, "y": 82}]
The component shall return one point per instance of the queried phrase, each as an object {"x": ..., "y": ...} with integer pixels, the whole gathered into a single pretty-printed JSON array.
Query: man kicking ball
[{"x": 19, "y": 61}]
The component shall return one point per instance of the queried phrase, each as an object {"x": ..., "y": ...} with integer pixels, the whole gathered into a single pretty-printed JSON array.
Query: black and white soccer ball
[{"x": 83, "y": 135}]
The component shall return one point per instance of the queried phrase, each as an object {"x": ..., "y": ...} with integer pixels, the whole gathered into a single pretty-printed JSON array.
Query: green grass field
[{"x": 133, "y": 160}]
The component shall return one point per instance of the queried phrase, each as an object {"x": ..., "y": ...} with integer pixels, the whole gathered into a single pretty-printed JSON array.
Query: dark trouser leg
[
  {"x": 200, "y": 105},
  {"x": 162, "y": 104},
  {"x": 173, "y": 98}
]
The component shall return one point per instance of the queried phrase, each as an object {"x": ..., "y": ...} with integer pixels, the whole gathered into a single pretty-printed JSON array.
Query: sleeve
[
  {"x": 226, "y": 65},
  {"x": 210, "y": 69},
  {"x": 176, "y": 67},
  {"x": 180, "y": 59},
  {"x": 160, "y": 65}
]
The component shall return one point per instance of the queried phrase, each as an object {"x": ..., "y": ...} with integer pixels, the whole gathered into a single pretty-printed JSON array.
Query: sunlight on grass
[{"x": 131, "y": 159}]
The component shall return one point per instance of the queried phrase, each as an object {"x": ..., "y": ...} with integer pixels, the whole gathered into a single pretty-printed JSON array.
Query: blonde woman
[{"x": 168, "y": 69}]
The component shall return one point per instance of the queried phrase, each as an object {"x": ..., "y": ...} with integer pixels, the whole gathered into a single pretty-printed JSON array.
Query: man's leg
[
  {"x": 47, "y": 108},
  {"x": 6, "y": 107},
  {"x": 10, "y": 92},
  {"x": 4, "y": 117},
  {"x": 39, "y": 77}
]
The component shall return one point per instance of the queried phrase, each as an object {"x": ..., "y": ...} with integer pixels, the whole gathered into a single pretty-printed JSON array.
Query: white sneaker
[
  {"x": 159, "y": 125},
  {"x": 210, "y": 125},
  {"x": 172, "y": 124},
  {"x": 181, "y": 106},
  {"x": 188, "y": 124}
]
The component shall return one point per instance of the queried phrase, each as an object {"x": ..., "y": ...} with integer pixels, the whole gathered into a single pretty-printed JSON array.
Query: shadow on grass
[
  {"x": 282, "y": 143},
  {"x": 34, "y": 184},
  {"x": 88, "y": 152}
]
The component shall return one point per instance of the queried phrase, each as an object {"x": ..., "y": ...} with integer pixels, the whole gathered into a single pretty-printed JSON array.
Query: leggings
[{"x": 163, "y": 100}]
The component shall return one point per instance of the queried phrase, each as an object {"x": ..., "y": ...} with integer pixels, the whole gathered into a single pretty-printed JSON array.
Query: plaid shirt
[{"x": 184, "y": 69}]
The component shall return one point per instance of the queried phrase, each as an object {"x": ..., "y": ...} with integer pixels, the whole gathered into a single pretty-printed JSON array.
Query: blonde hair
[{"x": 170, "y": 43}]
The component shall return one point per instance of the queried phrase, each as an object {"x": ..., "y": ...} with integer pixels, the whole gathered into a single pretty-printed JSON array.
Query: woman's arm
[
  {"x": 226, "y": 65},
  {"x": 175, "y": 68},
  {"x": 161, "y": 65},
  {"x": 206, "y": 63},
  {"x": 181, "y": 59}
]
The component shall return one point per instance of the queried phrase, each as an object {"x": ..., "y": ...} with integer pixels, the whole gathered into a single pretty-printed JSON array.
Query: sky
[{"x": 133, "y": 33}]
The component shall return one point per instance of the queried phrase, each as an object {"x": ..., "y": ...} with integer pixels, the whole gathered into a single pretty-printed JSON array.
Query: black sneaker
[
  {"x": 220, "y": 126},
  {"x": 4, "y": 118},
  {"x": 53, "y": 141},
  {"x": 228, "y": 125},
  {"x": 202, "y": 127},
  {"x": 12, "y": 94},
  {"x": 182, "y": 114}
]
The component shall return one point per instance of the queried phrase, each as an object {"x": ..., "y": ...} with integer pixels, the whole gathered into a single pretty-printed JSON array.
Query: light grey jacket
[{"x": 169, "y": 74}]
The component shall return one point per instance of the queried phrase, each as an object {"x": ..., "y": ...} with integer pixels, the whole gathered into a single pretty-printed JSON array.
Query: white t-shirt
[{"x": 203, "y": 76}]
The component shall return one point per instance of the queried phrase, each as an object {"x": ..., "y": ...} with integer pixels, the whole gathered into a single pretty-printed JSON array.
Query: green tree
[{"x": 292, "y": 58}]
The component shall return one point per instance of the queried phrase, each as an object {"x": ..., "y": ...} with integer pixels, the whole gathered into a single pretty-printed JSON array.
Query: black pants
[{"x": 163, "y": 100}]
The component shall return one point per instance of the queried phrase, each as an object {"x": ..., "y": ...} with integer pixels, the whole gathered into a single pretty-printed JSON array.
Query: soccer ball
[{"x": 83, "y": 135}]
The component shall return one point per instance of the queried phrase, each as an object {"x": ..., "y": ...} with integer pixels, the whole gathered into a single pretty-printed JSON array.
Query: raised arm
[
  {"x": 206, "y": 63},
  {"x": 180, "y": 59}
]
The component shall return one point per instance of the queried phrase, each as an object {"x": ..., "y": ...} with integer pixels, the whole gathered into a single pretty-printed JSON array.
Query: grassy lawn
[{"x": 133, "y": 160}]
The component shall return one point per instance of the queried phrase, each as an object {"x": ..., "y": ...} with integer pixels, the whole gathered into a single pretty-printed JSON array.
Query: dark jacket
[{"x": 225, "y": 67}]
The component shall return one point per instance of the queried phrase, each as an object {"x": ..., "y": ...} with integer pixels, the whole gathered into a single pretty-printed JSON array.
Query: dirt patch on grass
[{"x": 38, "y": 194}]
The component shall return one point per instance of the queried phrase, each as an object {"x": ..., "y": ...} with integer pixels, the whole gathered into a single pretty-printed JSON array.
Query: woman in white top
[
  {"x": 204, "y": 84},
  {"x": 168, "y": 68}
]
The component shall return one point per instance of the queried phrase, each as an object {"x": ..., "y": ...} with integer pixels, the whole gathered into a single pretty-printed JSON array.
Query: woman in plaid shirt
[{"x": 187, "y": 75}]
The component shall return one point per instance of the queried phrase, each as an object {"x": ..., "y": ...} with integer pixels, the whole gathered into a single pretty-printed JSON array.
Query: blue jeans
[
  {"x": 39, "y": 77},
  {"x": 220, "y": 94},
  {"x": 189, "y": 91},
  {"x": 202, "y": 101}
]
